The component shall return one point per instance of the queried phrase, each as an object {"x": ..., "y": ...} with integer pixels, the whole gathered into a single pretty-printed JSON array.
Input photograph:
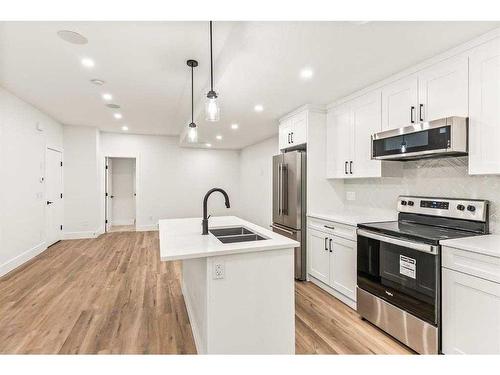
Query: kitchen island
[{"x": 239, "y": 295}]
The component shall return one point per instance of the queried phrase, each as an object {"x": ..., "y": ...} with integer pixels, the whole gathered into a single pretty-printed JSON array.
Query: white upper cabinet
[
  {"x": 366, "y": 112},
  {"x": 399, "y": 103},
  {"x": 293, "y": 130},
  {"x": 484, "y": 110},
  {"x": 444, "y": 90},
  {"x": 349, "y": 130}
]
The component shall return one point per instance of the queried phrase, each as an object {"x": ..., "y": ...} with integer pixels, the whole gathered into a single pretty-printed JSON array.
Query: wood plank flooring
[{"x": 113, "y": 295}]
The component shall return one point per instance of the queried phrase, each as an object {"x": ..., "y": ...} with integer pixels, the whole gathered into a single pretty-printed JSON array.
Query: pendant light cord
[
  {"x": 192, "y": 95},
  {"x": 211, "y": 61}
]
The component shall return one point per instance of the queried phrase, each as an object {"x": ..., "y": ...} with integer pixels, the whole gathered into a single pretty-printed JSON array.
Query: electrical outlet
[
  {"x": 218, "y": 270},
  {"x": 350, "y": 195}
]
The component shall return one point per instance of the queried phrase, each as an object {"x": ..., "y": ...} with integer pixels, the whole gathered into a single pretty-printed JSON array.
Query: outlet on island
[
  {"x": 350, "y": 195},
  {"x": 218, "y": 270}
]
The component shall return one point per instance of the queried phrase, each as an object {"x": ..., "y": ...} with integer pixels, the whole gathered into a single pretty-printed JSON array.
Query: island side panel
[
  {"x": 194, "y": 289},
  {"x": 252, "y": 309}
]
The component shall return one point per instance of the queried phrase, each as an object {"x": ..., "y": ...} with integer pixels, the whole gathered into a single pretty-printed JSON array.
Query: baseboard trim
[
  {"x": 192, "y": 322},
  {"x": 342, "y": 298},
  {"x": 22, "y": 258},
  {"x": 146, "y": 228},
  {"x": 80, "y": 235},
  {"x": 123, "y": 222}
]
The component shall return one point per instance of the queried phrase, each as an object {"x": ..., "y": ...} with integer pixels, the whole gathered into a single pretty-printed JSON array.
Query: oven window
[
  {"x": 407, "y": 278},
  {"x": 432, "y": 139}
]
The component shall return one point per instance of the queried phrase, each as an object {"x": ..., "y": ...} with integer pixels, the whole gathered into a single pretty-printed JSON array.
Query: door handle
[
  {"x": 49, "y": 202},
  {"x": 420, "y": 114},
  {"x": 288, "y": 138},
  {"x": 350, "y": 167},
  {"x": 330, "y": 246},
  {"x": 291, "y": 136},
  {"x": 326, "y": 246},
  {"x": 412, "y": 111},
  {"x": 345, "y": 168},
  {"x": 279, "y": 189}
]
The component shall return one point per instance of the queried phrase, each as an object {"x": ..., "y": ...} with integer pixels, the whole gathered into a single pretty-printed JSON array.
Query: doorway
[
  {"x": 120, "y": 194},
  {"x": 54, "y": 196}
]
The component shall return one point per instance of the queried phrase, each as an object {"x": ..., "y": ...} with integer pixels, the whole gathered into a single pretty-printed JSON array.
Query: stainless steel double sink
[{"x": 235, "y": 234}]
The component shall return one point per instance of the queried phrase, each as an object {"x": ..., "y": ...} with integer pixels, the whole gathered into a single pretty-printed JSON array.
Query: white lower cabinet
[
  {"x": 332, "y": 259},
  {"x": 471, "y": 314}
]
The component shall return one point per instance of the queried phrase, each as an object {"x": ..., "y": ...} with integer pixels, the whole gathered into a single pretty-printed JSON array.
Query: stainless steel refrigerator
[{"x": 289, "y": 203}]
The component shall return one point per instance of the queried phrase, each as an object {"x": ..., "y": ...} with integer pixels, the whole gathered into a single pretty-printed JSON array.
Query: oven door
[{"x": 402, "y": 272}]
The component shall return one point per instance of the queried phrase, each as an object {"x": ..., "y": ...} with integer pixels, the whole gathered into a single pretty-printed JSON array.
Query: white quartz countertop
[
  {"x": 354, "y": 218},
  {"x": 182, "y": 239},
  {"x": 487, "y": 245}
]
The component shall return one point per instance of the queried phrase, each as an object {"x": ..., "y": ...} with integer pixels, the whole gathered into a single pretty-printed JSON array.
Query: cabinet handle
[
  {"x": 329, "y": 227},
  {"x": 326, "y": 246},
  {"x": 345, "y": 168},
  {"x": 420, "y": 114},
  {"x": 288, "y": 138},
  {"x": 350, "y": 167},
  {"x": 330, "y": 246},
  {"x": 291, "y": 136},
  {"x": 412, "y": 111}
]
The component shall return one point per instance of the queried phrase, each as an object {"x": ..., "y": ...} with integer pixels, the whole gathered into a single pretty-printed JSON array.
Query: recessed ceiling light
[
  {"x": 258, "y": 108},
  {"x": 306, "y": 73},
  {"x": 124, "y": 128},
  {"x": 98, "y": 82},
  {"x": 106, "y": 96},
  {"x": 112, "y": 105},
  {"x": 234, "y": 126},
  {"x": 117, "y": 116},
  {"x": 72, "y": 37},
  {"x": 87, "y": 62},
  {"x": 218, "y": 137},
  {"x": 208, "y": 144}
]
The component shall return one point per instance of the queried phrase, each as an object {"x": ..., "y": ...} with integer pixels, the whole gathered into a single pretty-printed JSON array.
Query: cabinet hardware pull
[
  {"x": 412, "y": 110},
  {"x": 326, "y": 246},
  {"x": 350, "y": 166},
  {"x": 420, "y": 112},
  {"x": 328, "y": 226},
  {"x": 330, "y": 246},
  {"x": 345, "y": 168},
  {"x": 288, "y": 138}
]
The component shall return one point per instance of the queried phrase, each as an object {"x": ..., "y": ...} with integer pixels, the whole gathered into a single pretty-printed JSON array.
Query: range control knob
[
  {"x": 471, "y": 208},
  {"x": 410, "y": 203},
  {"x": 403, "y": 203},
  {"x": 460, "y": 207}
]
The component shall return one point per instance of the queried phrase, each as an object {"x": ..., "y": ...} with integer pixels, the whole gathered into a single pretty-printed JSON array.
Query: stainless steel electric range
[{"x": 399, "y": 266}]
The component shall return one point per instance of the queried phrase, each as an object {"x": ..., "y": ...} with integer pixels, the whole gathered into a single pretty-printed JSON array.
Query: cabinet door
[
  {"x": 338, "y": 138},
  {"x": 471, "y": 314},
  {"x": 444, "y": 90},
  {"x": 399, "y": 103},
  {"x": 318, "y": 255},
  {"x": 285, "y": 129},
  {"x": 484, "y": 110},
  {"x": 366, "y": 113},
  {"x": 299, "y": 129},
  {"x": 343, "y": 266}
]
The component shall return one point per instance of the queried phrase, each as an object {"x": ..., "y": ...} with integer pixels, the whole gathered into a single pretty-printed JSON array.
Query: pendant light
[
  {"x": 212, "y": 110},
  {"x": 192, "y": 130}
]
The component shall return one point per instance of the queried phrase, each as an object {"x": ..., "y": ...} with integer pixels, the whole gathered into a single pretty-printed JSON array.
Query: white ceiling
[{"x": 144, "y": 66}]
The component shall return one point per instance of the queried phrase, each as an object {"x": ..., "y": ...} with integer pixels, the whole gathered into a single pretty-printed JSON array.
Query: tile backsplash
[{"x": 445, "y": 177}]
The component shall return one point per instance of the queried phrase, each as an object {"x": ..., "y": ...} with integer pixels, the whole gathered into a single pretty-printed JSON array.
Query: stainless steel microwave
[{"x": 438, "y": 138}]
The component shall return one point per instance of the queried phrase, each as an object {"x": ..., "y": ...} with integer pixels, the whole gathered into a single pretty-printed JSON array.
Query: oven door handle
[{"x": 426, "y": 248}]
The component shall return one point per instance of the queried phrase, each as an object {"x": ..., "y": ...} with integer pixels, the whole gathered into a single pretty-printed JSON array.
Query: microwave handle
[{"x": 426, "y": 248}]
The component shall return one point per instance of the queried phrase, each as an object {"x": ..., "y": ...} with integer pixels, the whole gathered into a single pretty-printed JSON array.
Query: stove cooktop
[{"x": 415, "y": 231}]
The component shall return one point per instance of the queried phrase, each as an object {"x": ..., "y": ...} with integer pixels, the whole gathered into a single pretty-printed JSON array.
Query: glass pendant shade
[
  {"x": 212, "y": 110},
  {"x": 192, "y": 133}
]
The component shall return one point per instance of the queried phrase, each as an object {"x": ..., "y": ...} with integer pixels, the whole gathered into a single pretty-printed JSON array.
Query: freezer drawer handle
[{"x": 283, "y": 230}]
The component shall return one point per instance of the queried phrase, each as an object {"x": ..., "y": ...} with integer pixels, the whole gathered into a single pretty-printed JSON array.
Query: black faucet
[{"x": 204, "y": 223}]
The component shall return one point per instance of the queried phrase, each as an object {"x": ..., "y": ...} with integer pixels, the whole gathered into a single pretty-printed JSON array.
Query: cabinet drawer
[
  {"x": 483, "y": 266},
  {"x": 333, "y": 228}
]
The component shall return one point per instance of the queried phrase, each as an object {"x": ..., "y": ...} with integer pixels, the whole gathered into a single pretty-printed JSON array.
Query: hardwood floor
[{"x": 113, "y": 295}]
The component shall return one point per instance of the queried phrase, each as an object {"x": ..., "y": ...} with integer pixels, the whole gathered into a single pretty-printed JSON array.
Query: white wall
[
  {"x": 123, "y": 202},
  {"x": 22, "y": 165},
  {"x": 256, "y": 181},
  {"x": 171, "y": 180},
  {"x": 82, "y": 199}
]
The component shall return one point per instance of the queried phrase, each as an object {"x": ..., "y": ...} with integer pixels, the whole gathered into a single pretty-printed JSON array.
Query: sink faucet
[{"x": 204, "y": 223}]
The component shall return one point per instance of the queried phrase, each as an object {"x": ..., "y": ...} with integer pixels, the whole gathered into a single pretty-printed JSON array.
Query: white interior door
[
  {"x": 109, "y": 194},
  {"x": 53, "y": 194}
]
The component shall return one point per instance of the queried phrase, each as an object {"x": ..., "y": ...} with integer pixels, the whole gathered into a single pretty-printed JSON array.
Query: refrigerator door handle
[
  {"x": 284, "y": 189},
  {"x": 279, "y": 189}
]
